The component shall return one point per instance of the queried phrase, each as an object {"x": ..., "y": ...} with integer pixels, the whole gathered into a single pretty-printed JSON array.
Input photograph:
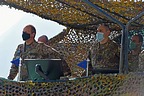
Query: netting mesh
[
  {"x": 79, "y": 15},
  {"x": 131, "y": 84},
  {"x": 75, "y": 46}
]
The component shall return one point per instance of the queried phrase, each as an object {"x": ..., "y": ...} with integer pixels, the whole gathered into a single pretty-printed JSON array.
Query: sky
[{"x": 12, "y": 22}]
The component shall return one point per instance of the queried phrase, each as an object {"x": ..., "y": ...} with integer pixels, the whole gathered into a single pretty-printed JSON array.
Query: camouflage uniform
[
  {"x": 34, "y": 51},
  {"x": 141, "y": 61},
  {"x": 133, "y": 63},
  {"x": 105, "y": 56},
  {"x": 135, "y": 60}
]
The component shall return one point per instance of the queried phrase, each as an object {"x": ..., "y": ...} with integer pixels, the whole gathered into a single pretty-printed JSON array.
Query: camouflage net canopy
[
  {"x": 79, "y": 15},
  {"x": 81, "y": 21}
]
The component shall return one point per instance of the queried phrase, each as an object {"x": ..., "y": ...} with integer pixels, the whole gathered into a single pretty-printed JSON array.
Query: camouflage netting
[
  {"x": 79, "y": 15},
  {"x": 81, "y": 21},
  {"x": 98, "y": 85},
  {"x": 74, "y": 46}
]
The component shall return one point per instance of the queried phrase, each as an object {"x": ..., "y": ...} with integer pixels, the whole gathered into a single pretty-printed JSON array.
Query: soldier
[
  {"x": 104, "y": 54},
  {"x": 135, "y": 50},
  {"x": 43, "y": 39},
  {"x": 33, "y": 50}
]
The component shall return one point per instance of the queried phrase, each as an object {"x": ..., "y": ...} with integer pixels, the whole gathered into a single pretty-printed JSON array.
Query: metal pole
[
  {"x": 19, "y": 70},
  {"x": 124, "y": 49},
  {"x": 135, "y": 18},
  {"x": 126, "y": 32},
  {"x": 87, "y": 66}
]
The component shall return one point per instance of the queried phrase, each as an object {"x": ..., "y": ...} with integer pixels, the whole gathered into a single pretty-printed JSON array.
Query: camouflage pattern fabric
[
  {"x": 133, "y": 61},
  {"x": 141, "y": 61},
  {"x": 105, "y": 56},
  {"x": 131, "y": 84},
  {"x": 34, "y": 51}
]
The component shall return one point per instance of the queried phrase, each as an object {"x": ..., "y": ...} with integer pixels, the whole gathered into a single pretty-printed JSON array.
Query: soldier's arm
[
  {"x": 13, "y": 72},
  {"x": 115, "y": 48},
  {"x": 141, "y": 61},
  {"x": 14, "y": 69}
]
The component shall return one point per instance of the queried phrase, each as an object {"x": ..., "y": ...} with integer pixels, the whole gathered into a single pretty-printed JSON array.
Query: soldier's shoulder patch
[{"x": 20, "y": 46}]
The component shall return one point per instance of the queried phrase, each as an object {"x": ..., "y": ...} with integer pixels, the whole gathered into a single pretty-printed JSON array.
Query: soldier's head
[
  {"x": 29, "y": 33},
  {"x": 43, "y": 39},
  {"x": 138, "y": 39},
  {"x": 103, "y": 32},
  {"x": 136, "y": 42}
]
